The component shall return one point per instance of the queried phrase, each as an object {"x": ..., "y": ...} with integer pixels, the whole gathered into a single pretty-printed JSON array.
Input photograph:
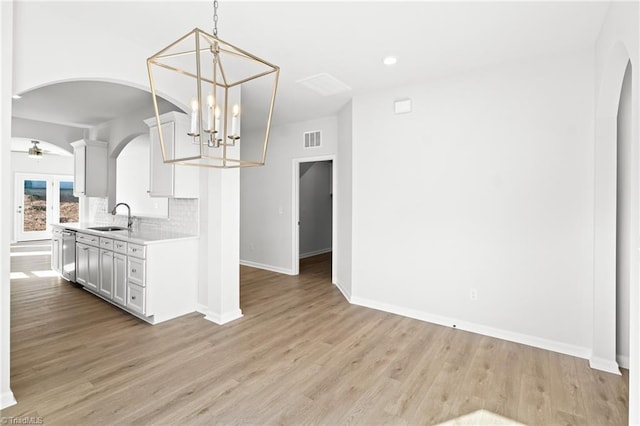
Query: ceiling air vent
[
  {"x": 324, "y": 84},
  {"x": 312, "y": 139}
]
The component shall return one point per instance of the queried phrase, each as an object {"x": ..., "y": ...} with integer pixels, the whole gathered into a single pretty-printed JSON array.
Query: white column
[{"x": 220, "y": 246}]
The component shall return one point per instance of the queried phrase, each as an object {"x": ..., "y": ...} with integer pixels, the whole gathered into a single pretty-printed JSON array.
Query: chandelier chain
[{"x": 215, "y": 18}]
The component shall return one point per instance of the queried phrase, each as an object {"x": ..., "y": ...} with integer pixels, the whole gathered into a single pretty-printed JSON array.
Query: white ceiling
[
  {"x": 345, "y": 39},
  {"x": 84, "y": 103}
]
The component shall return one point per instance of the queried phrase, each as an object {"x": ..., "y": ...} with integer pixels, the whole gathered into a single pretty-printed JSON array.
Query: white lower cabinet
[
  {"x": 155, "y": 282},
  {"x": 106, "y": 273},
  {"x": 56, "y": 250},
  {"x": 119, "y": 278},
  {"x": 136, "y": 298},
  {"x": 113, "y": 270},
  {"x": 136, "y": 283},
  {"x": 88, "y": 266}
]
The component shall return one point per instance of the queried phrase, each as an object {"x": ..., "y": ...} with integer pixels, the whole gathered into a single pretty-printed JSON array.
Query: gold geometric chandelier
[{"x": 216, "y": 75}]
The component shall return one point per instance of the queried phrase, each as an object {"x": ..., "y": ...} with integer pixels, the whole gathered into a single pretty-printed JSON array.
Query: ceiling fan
[{"x": 34, "y": 151}]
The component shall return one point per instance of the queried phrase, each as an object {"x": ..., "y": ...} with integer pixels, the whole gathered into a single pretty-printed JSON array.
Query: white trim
[
  {"x": 221, "y": 319},
  {"x": 7, "y": 400},
  {"x": 271, "y": 268},
  {"x": 295, "y": 212},
  {"x": 604, "y": 365},
  {"x": 550, "y": 345},
  {"x": 315, "y": 253},
  {"x": 623, "y": 361},
  {"x": 344, "y": 292}
]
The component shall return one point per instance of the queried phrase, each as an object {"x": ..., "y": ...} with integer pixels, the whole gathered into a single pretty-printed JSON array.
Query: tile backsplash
[{"x": 183, "y": 217}]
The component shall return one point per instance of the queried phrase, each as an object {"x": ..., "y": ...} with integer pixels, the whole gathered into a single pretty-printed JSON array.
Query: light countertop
[{"x": 138, "y": 236}]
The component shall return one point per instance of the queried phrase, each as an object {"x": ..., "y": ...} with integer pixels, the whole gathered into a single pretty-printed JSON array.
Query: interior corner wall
[
  {"x": 266, "y": 194},
  {"x": 485, "y": 188},
  {"x": 344, "y": 167}
]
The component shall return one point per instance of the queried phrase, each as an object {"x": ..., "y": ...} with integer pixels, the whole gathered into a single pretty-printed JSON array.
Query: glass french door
[{"x": 40, "y": 201}]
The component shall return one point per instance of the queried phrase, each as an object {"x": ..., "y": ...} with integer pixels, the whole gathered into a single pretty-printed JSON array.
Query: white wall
[
  {"x": 105, "y": 55},
  {"x": 266, "y": 209},
  {"x": 316, "y": 202},
  {"x": 344, "y": 166},
  {"x": 486, "y": 185},
  {"x": 132, "y": 180}
]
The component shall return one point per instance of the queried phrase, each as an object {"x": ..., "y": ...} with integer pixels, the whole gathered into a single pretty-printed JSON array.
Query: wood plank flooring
[{"x": 300, "y": 355}]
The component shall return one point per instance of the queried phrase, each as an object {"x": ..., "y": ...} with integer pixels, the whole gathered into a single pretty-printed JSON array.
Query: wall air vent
[{"x": 312, "y": 139}]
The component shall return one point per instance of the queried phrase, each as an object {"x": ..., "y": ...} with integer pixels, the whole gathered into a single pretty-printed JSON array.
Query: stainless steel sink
[{"x": 108, "y": 228}]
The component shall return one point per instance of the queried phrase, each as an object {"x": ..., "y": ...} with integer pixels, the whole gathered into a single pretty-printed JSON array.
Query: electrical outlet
[{"x": 473, "y": 294}]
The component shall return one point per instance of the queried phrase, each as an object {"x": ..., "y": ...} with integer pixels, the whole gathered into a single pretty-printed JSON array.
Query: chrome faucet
[{"x": 129, "y": 221}]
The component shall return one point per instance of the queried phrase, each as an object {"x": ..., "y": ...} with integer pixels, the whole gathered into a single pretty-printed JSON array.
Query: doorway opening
[
  {"x": 624, "y": 217},
  {"x": 41, "y": 200},
  {"x": 314, "y": 214}
]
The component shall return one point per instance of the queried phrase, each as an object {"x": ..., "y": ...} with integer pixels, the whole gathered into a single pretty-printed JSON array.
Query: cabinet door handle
[
  {"x": 133, "y": 298},
  {"x": 134, "y": 270}
]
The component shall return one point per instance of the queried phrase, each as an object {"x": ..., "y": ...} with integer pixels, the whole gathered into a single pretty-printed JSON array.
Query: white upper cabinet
[
  {"x": 169, "y": 180},
  {"x": 90, "y": 168}
]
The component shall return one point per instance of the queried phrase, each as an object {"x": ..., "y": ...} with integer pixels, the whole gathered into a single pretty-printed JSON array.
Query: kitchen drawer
[
  {"x": 136, "y": 250},
  {"x": 106, "y": 243},
  {"x": 119, "y": 246},
  {"x": 91, "y": 240},
  {"x": 135, "y": 271},
  {"x": 136, "y": 298}
]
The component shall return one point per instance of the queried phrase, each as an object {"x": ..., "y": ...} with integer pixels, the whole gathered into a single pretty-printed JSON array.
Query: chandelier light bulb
[
  {"x": 194, "y": 117},
  {"x": 209, "y": 112}
]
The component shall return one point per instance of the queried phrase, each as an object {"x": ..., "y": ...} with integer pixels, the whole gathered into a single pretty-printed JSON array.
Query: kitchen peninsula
[{"x": 150, "y": 274}]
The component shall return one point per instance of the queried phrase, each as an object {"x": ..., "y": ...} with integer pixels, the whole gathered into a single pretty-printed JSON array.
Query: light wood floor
[{"x": 300, "y": 355}]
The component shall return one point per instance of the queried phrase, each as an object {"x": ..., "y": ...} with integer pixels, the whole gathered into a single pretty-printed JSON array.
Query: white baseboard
[
  {"x": 221, "y": 319},
  {"x": 623, "y": 361},
  {"x": 345, "y": 293},
  {"x": 525, "y": 339},
  {"x": 266, "y": 267},
  {"x": 606, "y": 365},
  {"x": 7, "y": 400},
  {"x": 201, "y": 309},
  {"x": 315, "y": 253}
]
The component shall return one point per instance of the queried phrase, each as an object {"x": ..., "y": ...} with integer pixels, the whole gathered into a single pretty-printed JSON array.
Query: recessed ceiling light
[
  {"x": 390, "y": 60},
  {"x": 16, "y": 96}
]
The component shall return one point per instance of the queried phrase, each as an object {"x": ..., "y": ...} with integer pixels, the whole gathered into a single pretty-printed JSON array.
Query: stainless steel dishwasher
[{"x": 69, "y": 255}]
